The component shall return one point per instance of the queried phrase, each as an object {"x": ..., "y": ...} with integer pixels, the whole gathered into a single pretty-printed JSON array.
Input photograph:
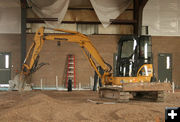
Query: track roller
[{"x": 115, "y": 94}]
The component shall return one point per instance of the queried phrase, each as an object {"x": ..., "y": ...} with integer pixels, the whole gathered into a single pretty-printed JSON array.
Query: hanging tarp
[
  {"x": 105, "y": 9},
  {"x": 162, "y": 17},
  {"x": 10, "y": 16},
  {"x": 109, "y": 9},
  {"x": 50, "y": 9}
]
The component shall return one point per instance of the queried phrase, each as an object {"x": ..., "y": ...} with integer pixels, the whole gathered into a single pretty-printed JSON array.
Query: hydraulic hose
[{"x": 110, "y": 67}]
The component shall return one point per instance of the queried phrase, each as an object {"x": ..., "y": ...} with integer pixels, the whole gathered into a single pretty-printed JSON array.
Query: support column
[
  {"x": 138, "y": 12},
  {"x": 23, "y": 30}
]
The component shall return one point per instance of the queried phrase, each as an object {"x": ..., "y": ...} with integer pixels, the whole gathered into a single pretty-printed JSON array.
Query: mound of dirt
[
  {"x": 40, "y": 108},
  {"x": 55, "y": 106},
  {"x": 37, "y": 108}
]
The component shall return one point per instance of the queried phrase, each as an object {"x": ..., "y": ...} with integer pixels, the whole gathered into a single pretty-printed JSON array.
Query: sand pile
[
  {"x": 37, "y": 108},
  {"x": 55, "y": 106}
]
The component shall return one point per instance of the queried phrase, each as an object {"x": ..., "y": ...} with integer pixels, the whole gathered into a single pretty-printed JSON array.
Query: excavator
[{"x": 134, "y": 69}]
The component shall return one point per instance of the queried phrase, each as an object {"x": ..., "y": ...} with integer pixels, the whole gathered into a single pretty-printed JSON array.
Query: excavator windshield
[
  {"x": 128, "y": 48},
  {"x": 141, "y": 46},
  {"x": 133, "y": 52}
]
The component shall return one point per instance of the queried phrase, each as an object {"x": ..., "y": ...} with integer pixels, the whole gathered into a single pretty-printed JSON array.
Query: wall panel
[
  {"x": 163, "y": 44},
  {"x": 11, "y": 43}
]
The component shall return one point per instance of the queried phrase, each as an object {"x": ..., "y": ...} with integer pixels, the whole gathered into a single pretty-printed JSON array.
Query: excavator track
[
  {"x": 156, "y": 96},
  {"x": 137, "y": 91},
  {"x": 161, "y": 96},
  {"x": 114, "y": 93}
]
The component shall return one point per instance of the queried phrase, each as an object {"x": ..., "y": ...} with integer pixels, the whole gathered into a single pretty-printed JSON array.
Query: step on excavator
[{"x": 133, "y": 77}]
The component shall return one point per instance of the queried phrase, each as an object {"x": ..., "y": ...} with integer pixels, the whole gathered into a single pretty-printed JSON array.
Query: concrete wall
[
  {"x": 162, "y": 17},
  {"x": 10, "y": 16},
  {"x": 105, "y": 44},
  {"x": 11, "y": 43}
]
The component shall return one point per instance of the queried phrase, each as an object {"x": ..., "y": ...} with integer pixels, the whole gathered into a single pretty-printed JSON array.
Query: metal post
[
  {"x": 41, "y": 83},
  {"x": 56, "y": 82},
  {"x": 173, "y": 87},
  {"x": 79, "y": 86}
]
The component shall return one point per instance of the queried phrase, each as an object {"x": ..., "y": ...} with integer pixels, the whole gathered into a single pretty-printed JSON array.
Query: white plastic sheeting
[
  {"x": 50, "y": 9},
  {"x": 10, "y": 16},
  {"x": 105, "y": 9},
  {"x": 162, "y": 17},
  {"x": 109, "y": 9}
]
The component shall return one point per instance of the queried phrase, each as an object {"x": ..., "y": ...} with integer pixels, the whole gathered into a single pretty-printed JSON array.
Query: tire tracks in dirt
[
  {"x": 80, "y": 116},
  {"x": 114, "y": 114}
]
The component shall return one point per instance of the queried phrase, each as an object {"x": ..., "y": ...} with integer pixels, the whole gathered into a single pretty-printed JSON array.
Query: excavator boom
[{"x": 31, "y": 60}]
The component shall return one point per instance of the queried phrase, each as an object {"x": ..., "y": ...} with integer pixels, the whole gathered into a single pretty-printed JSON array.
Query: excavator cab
[{"x": 133, "y": 53}]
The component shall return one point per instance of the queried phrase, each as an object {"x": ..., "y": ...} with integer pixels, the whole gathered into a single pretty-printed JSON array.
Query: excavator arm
[{"x": 31, "y": 60}]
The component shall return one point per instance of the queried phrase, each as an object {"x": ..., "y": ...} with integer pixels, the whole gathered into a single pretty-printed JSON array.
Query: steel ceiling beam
[{"x": 42, "y": 20}]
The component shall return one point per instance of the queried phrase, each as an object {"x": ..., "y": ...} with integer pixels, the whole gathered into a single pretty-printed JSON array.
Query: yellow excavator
[{"x": 133, "y": 73}]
